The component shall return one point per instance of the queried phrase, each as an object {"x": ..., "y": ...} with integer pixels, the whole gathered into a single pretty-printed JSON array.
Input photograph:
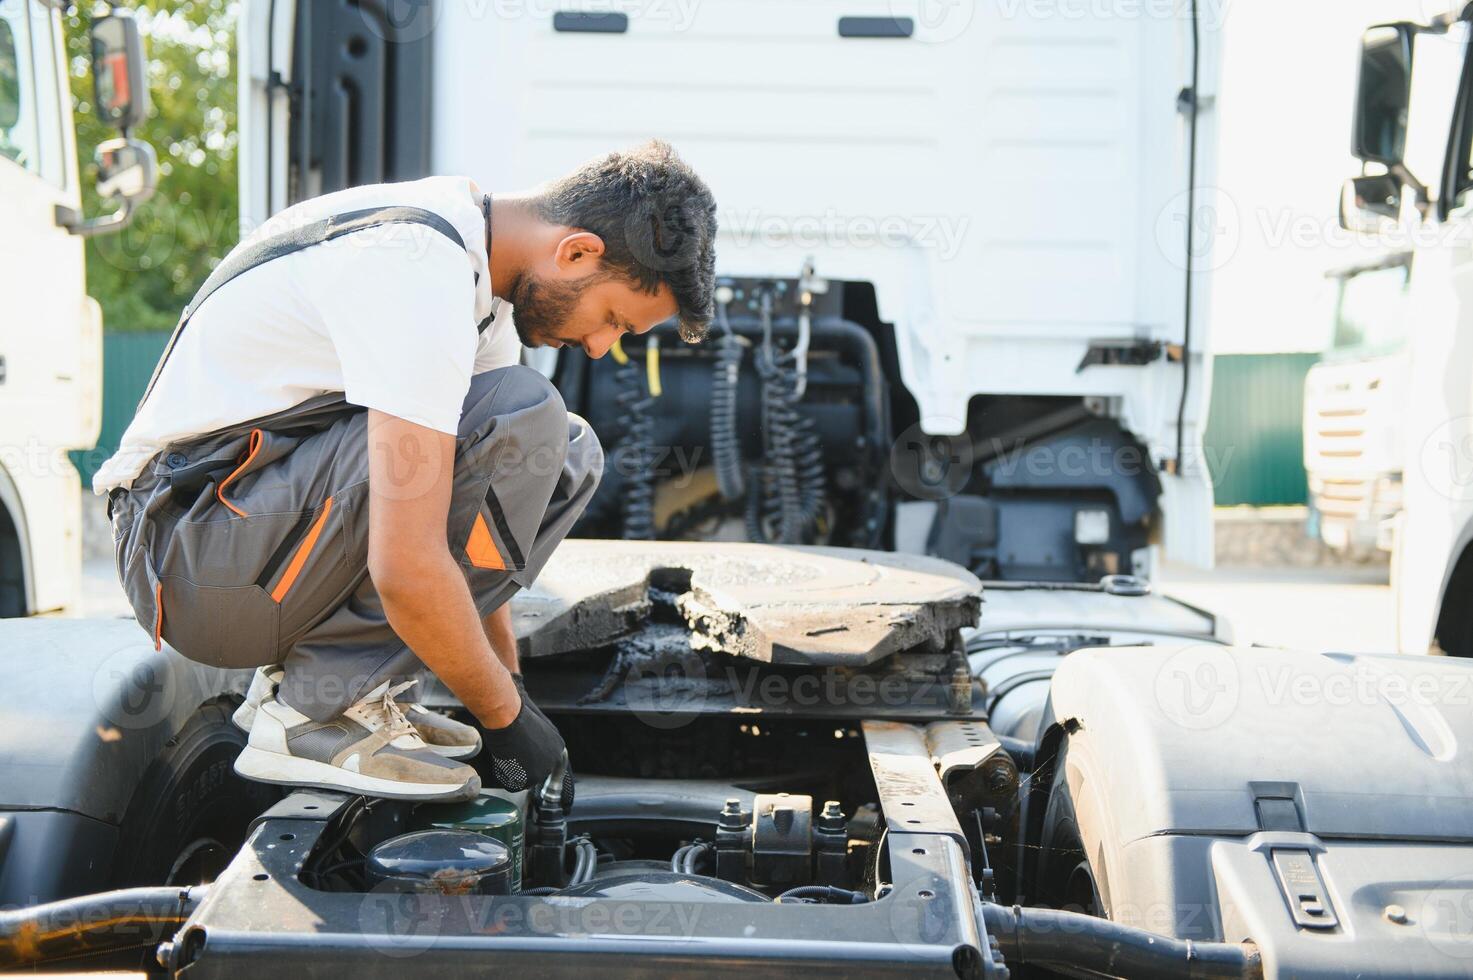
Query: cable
[
  {"x": 794, "y": 497},
  {"x": 823, "y": 895},
  {"x": 688, "y": 858},
  {"x": 1099, "y": 947},
  {"x": 122, "y": 919},
  {"x": 726, "y": 444},
  {"x": 635, "y": 453},
  {"x": 1186, "y": 326}
]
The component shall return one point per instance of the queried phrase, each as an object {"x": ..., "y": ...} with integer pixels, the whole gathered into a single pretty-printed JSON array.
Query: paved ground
[{"x": 1343, "y": 608}]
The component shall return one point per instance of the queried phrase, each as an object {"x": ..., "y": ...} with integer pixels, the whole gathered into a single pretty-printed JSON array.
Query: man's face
[{"x": 570, "y": 301}]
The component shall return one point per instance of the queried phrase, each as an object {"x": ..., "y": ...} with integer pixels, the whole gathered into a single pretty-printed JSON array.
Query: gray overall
[{"x": 249, "y": 546}]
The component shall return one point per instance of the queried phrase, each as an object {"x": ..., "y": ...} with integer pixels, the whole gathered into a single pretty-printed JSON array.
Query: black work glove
[{"x": 524, "y": 753}]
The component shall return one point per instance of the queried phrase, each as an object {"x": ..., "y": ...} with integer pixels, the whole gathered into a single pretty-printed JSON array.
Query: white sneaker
[
  {"x": 443, "y": 734},
  {"x": 263, "y": 684},
  {"x": 370, "y": 749}
]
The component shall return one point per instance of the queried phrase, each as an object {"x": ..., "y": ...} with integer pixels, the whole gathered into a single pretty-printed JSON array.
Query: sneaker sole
[
  {"x": 454, "y": 751},
  {"x": 262, "y": 766},
  {"x": 244, "y": 716}
]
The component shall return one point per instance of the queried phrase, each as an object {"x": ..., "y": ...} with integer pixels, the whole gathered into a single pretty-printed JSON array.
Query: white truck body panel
[
  {"x": 1014, "y": 182},
  {"x": 50, "y": 331}
]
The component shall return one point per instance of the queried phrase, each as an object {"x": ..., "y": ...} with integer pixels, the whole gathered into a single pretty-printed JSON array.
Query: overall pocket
[{"x": 223, "y": 627}]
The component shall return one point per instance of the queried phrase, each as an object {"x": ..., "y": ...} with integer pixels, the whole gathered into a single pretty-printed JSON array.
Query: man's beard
[{"x": 541, "y": 307}]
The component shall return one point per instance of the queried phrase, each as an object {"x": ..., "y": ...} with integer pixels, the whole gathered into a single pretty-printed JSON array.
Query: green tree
[{"x": 144, "y": 275}]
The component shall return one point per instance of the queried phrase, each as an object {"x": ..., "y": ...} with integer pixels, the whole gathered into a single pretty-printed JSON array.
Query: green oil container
[{"x": 489, "y": 815}]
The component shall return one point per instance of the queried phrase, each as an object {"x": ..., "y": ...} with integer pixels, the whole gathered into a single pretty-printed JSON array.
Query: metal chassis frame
[{"x": 259, "y": 916}]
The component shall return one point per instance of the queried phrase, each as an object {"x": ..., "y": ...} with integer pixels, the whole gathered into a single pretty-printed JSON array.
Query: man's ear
[{"x": 579, "y": 252}]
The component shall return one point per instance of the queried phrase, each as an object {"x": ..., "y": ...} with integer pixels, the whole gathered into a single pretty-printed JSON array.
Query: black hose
[
  {"x": 124, "y": 919},
  {"x": 1085, "y": 946},
  {"x": 794, "y": 491},
  {"x": 823, "y": 895},
  {"x": 635, "y": 458},
  {"x": 726, "y": 443}
]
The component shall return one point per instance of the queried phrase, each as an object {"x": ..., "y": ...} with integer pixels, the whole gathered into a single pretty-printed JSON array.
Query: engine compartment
[{"x": 792, "y": 425}]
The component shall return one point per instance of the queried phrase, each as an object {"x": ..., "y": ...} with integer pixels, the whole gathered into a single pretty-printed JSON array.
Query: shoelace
[{"x": 393, "y": 715}]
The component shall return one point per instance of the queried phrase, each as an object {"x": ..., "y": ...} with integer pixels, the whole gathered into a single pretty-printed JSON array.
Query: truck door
[
  {"x": 43, "y": 308},
  {"x": 49, "y": 329}
]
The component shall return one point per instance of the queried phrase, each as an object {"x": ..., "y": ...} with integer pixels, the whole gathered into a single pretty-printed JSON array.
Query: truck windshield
[{"x": 1369, "y": 310}]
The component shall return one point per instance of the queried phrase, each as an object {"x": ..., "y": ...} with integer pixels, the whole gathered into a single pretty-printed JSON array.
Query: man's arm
[
  {"x": 425, "y": 595},
  {"x": 503, "y": 639}
]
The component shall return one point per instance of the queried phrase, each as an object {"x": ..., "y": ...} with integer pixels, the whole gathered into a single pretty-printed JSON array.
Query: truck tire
[
  {"x": 190, "y": 812},
  {"x": 1066, "y": 879}
]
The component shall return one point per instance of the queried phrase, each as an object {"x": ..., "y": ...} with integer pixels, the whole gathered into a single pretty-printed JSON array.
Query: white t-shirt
[{"x": 386, "y": 315}]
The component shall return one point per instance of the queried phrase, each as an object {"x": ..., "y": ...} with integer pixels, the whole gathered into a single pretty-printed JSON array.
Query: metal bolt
[{"x": 1397, "y": 914}]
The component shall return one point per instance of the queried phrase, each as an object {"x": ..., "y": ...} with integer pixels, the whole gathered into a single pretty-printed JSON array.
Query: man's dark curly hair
[{"x": 657, "y": 219}]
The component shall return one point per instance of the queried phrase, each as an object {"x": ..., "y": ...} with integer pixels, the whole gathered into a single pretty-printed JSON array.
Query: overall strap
[{"x": 295, "y": 240}]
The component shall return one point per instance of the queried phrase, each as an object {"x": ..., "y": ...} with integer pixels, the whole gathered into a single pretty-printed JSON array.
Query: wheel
[
  {"x": 1066, "y": 879},
  {"x": 190, "y": 812}
]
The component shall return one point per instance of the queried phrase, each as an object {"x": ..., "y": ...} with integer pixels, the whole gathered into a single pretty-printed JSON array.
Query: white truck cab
[
  {"x": 50, "y": 330},
  {"x": 1002, "y": 221},
  {"x": 1413, "y": 130},
  {"x": 1354, "y": 409}
]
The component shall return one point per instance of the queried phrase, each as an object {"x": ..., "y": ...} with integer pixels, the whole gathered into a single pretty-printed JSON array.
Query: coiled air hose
[
  {"x": 635, "y": 455},
  {"x": 794, "y": 496},
  {"x": 726, "y": 444}
]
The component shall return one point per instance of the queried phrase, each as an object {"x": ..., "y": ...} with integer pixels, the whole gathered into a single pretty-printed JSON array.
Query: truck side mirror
[
  {"x": 118, "y": 70},
  {"x": 1367, "y": 204},
  {"x": 126, "y": 169},
  {"x": 1382, "y": 94},
  {"x": 9, "y": 78}
]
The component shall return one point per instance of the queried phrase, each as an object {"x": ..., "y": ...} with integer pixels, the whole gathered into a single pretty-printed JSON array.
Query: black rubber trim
[
  {"x": 513, "y": 552},
  {"x": 878, "y": 27},
  {"x": 582, "y": 22},
  {"x": 288, "y": 544}
]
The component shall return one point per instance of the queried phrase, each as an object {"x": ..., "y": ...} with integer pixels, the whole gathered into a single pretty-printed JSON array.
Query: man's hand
[{"x": 426, "y": 598}]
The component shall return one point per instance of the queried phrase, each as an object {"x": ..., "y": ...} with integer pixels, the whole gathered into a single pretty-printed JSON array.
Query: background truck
[
  {"x": 977, "y": 246},
  {"x": 1413, "y": 129},
  {"x": 1354, "y": 409},
  {"x": 50, "y": 330}
]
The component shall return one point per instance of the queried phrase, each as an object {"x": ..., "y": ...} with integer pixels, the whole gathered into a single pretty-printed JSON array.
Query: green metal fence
[
  {"x": 1254, "y": 441},
  {"x": 128, "y": 358}
]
